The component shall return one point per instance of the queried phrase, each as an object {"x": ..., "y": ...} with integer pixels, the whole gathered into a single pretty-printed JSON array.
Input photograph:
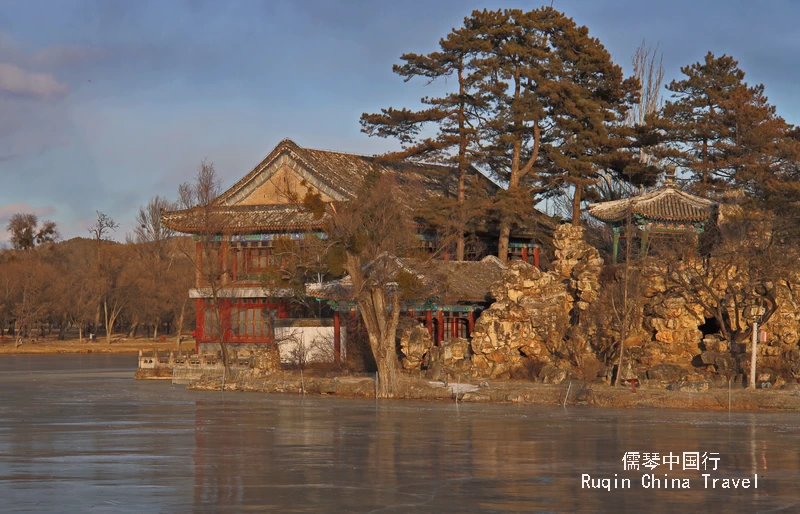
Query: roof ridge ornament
[{"x": 670, "y": 177}]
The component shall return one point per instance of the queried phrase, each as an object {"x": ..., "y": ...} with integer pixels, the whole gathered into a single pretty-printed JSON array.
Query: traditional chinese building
[
  {"x": 451, "y": 294},
  {"x": 245, "y": 223},
  {"x": 664, "y": 211}
]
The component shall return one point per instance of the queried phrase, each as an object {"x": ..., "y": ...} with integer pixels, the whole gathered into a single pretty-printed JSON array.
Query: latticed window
[
  {"x": 257, "y": 259},
  {"x": 252, "y": 322}
]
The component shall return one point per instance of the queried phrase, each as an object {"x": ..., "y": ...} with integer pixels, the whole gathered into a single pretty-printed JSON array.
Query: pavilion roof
[
  {"x": 665, "y": 203},
  {"x": 449, "y": 280}
]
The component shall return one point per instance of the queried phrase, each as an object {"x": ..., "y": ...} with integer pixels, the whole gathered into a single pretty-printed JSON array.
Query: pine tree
[
  {"x": 558, "y": 106},
  {"x": 513, "y": 66},
  {"x": 589, "y": 102},
  {"x": 722, "y": 131},
  {"x": 455, "y": 117},
  {"x": 539, "y": 103}
]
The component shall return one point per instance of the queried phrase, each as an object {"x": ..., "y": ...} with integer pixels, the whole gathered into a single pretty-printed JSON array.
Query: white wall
[{"x": 312, "y": 344}]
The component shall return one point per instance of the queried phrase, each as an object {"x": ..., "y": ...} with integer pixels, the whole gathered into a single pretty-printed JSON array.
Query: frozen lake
[{"x": 78, "y": 434}]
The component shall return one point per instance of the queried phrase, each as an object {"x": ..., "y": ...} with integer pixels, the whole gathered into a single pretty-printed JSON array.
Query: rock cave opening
[{"x": 710, "y": 327}]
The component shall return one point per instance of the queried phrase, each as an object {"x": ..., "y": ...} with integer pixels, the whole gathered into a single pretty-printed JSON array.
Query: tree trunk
[
  {"x": 462, "y": 162},
  {"x": 134, "y": 327},
  {"x": 62, "y": 331},
  {"x": 226, "y": 365},
  {"x": 460, "y": 243},
  {"x": 502, "y": 242},
  {"x": 155, "y": 328},
  {"x": 179, "y": 327},
  {"x": 109, "y": 322},
  {"x": 386, "y": 360},
  {"x": 381, "y": 323},
  {"x": 576, "y": 205}
]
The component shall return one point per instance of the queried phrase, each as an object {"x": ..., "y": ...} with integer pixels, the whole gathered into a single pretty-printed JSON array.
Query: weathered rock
[
  {"x": 531, "y": 319},
  {"x": 550, "y": 374},
  {"x": 709, "y": 358},
  {"x": 267, "y": 359},
  {"x": 666, "y": 372},
  {"x": 414, "y": 344},
  {"x": 693, "y": 387},
  {"x": 454, "y": 350}
]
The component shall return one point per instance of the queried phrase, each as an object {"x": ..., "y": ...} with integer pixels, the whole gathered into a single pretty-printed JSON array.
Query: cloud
[
  {"x": 10, "y": 209},
  {"x": 17, "y": 81}
]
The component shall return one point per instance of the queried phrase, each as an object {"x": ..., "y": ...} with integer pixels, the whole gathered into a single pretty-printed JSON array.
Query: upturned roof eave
[{"x": 617, "y": 210}]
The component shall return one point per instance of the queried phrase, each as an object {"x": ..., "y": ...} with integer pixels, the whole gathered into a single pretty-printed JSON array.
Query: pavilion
[{"x": 664, "y": 211}]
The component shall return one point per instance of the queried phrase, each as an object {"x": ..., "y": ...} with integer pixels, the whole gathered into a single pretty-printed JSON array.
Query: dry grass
[{"x": 51, "y": 345}]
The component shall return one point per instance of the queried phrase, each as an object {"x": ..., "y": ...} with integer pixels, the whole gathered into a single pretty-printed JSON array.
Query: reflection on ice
[{"x": 85, "y": 442}]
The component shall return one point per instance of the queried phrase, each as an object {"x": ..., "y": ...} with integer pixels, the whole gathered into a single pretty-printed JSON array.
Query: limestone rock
[
  {"x": 550, "y": 374},
  {"x": 666, "y": 372},
  {"x": 530, "y": 320},
  {"x": 414, "y": 344},
  {"x": 267, "y": 359}
]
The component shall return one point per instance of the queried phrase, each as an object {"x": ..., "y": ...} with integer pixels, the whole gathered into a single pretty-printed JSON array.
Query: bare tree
[
  {"x": 149, "y": 231},
  {"x": 203, "y": 191},
  {"x": 365, "y": 231},
  {"x": 165, "y": 269},
  {"x": 100, "y": 231},
  {"x": 78, "y": 284},
  {"x": 26, "y": 232},
  {"x": 735, "y": 275},
  {"x": 118, "y": 285},
  {"x": 648, "y": 69},
  {"x": 33, "y": 302},
  {"x": 103, "y": 226},
  {"x": 211, "y": 265}
]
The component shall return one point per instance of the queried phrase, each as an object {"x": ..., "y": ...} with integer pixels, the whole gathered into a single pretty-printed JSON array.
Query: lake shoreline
[
  {"x": 75, "y": 346},
  {"x": 513, "y": 391},
  {"x": 417, "y": 388}
]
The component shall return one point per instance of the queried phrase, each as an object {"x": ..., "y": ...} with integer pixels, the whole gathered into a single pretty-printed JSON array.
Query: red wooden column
[
  {"x": 199, "y": 264},
  {"x": 234, "y": 264},
  {"x": 440, "y": 328},
  {"x": 222, "y": 258},
  {"x": 337, "y": 337},
  {"x": 525, "y": 253},
  {"x": 199, "y": 323},
  {"x": 429, "y": 322}
]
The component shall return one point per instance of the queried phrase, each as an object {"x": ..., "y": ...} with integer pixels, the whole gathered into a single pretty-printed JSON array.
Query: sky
[{"x": 108, "y": 103}]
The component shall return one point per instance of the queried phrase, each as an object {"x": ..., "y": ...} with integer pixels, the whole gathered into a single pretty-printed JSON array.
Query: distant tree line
[{"x": 94, "y": 285}]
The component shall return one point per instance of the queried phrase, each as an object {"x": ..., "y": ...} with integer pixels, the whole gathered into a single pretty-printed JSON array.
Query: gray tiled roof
[
  {"x": 241, "y": 218},
  {"x": 345, "y": 173},
  {"x": 450, "y": 280},
  {"x": 666, "y": 203},
  {"x": 339, "y": 175}
]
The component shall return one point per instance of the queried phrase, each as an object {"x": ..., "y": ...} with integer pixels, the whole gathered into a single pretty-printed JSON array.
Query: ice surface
[{"x": 77, "y": 434}]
